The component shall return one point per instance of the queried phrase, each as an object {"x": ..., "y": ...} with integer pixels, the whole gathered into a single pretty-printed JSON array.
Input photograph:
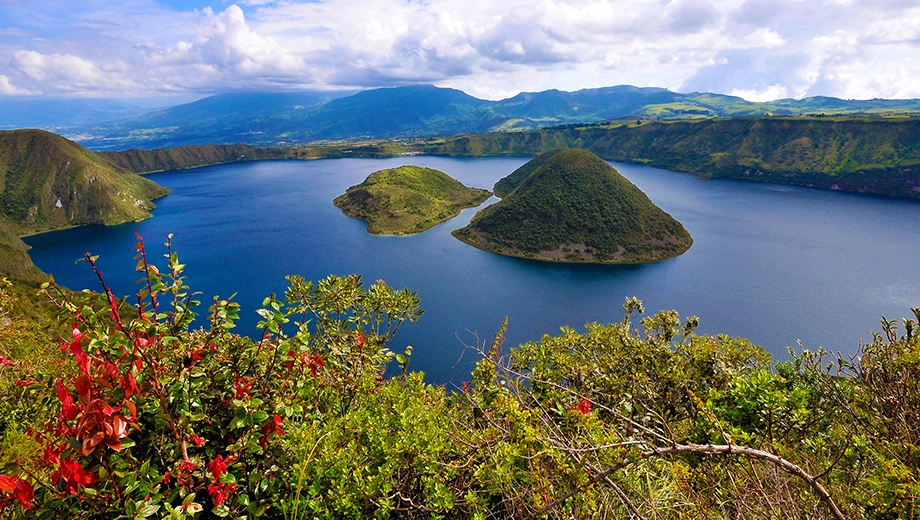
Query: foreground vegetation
[
  {"x": 407, "y": 200},
  {"x": 146, "y": 417},
  {"x": 571, "y": 206}
]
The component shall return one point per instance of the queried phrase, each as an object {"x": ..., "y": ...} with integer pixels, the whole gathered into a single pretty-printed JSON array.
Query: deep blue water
[{"x": 774, "y": 264}]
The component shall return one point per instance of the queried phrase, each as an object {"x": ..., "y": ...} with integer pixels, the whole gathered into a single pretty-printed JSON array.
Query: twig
[{"x": 707, "y": 449}]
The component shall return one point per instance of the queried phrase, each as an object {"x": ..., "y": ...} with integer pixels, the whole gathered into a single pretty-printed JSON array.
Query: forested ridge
[{"x": 872, "y": 155}]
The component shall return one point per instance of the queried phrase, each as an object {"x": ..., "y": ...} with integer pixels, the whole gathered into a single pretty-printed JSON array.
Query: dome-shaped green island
[
  {"x": 571, "y": 206},
  {"x": 407, "y": 200}
]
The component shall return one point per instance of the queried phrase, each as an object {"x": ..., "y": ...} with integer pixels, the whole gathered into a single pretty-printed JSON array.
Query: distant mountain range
[{"x": 282, "y": 119}]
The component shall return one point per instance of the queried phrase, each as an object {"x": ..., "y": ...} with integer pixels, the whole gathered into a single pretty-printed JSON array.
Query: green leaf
[{"x": 147, "y": 510}]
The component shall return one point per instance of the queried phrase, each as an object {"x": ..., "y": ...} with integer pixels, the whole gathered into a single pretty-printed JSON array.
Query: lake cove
[{"x": 771, "y": 263}]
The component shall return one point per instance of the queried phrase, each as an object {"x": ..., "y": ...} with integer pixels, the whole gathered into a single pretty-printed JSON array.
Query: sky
[{"x": 178, "y": 50}]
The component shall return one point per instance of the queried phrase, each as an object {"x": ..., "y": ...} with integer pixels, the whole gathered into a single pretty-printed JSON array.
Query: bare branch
[{"x": 707, "y": 449}]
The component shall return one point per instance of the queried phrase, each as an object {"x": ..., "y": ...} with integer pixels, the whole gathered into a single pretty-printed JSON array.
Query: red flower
[
  {"x": 68, "y": 410},
  {"x": 74, "y": 476},
  {"x": 24, "y": 493},
  {"x": 196, "y": 440},
  {"x": 7, "y": 484},
  {"x": 220, "y": 491},
  {"x": 584, "y": 407},
  {"x": 269, "y": 428},
  {"x": 187, "y": 466},
  {"x": 243, "y": 386},
  {"x": 360, "y": 340},
  {"x": 4, "y": 361},
  {"x": 218, "y": 466}
]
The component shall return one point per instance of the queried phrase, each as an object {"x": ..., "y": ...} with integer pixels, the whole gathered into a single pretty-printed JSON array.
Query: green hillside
[
  {"x": 183, "y": 157},
  {"x": 574, "y": 207},
  {"x": 14, "y": 257},
  {"x": 506, "y": 185},
  {"x": 880, "y": 156},
  {"x": 48, "y": 182},
  {"x": 408, "y": 199}
]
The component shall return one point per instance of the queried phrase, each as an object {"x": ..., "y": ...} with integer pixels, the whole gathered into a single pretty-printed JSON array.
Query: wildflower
[
  {"x": 269, "y": 428},
  {"x": 74, "y": 475},
  {"x": 187, "y": 466},
  {"x": 243, "y": 386},
  {"x": 68, "y": 410},
  {"x": 24, "y": 493},
  {"x": 220, "y": 491},
  {"x": 218, "y": 466}
]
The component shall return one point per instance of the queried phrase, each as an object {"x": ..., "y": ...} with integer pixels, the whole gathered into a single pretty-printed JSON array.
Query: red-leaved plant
[{"x": 157, "y": 418}]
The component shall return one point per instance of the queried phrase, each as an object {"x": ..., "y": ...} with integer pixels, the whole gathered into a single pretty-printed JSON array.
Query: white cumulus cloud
[
  {"x": 759, "y": 48},
  {"x": 8, "y": 89}
]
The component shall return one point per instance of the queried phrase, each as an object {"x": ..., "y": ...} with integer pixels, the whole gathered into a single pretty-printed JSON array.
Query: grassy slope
[
  {"x": 182, "y": 157},
  {"x": 867, "y": 156},
  {"x": 507, "y": 184},
  {"x": 408, "y": 199},
  {"x": 48, "y": 182},
  {"x": 574, "y": 207}
]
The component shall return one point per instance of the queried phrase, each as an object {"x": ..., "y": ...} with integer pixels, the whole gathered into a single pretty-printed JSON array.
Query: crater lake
[{"x": 771, "y": 263}]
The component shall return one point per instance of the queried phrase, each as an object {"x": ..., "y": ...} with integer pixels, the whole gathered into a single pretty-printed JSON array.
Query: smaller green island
[
  {"x": 570, "y": 206},
  {"x": 407, "y": 200}
]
